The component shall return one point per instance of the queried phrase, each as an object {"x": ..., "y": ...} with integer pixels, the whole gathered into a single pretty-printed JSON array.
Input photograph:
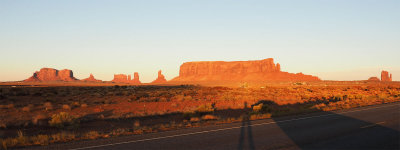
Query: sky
[{"x": 332, "y": 39}]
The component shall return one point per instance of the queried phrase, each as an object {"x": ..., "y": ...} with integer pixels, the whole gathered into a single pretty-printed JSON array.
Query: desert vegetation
[{"x": 44, "y": 115}]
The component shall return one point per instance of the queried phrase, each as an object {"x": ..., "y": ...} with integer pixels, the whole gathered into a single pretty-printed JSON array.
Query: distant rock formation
[
  {"x": 50, "y": 74},
  {"x": 91, "y": 79},
  {"x": 160, "y": 78},
  {"x": 374, "y": 79},
  {"x": 385, "y": 76},
  {"x": 256, "y": 70},
  {"x": 136, "y": 78},
  {"x": 122, "y": 78}
]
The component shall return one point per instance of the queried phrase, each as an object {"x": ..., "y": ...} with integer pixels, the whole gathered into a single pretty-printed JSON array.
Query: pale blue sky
[{"x": 333, "y": 39}]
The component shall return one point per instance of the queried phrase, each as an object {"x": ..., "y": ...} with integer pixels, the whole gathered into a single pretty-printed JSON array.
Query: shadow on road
[
  {"x": 336, "y": 131},
  {"x": 246, "y": 124}
]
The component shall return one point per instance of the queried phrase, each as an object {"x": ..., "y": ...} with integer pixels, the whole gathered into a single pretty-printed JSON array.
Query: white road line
[{"x": 216, "y": 130}]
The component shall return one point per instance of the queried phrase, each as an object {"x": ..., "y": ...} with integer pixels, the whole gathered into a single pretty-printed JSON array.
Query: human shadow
[
  {"x": 345, "y": 130},
  {"x": 246, "y": 124}
]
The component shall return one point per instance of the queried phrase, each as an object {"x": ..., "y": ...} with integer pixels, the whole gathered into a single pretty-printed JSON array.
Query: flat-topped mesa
[
  {"x": 50, "y": 74},
  {"x": 160, "y": 78},
  {"x": 122, "y": 78},
  {"x": 385, "y": 76},
  {"x": 91, "y": 79},
  {"x": 255, "y": 70}
]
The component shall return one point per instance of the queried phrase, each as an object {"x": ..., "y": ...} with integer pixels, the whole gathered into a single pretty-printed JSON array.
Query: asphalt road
[{"x": 372, "y": 127}]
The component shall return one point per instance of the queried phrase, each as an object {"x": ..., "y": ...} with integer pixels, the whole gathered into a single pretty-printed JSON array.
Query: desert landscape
[
  {"x": 199, "y": 75},
  {"x": 53, "y": 106}
]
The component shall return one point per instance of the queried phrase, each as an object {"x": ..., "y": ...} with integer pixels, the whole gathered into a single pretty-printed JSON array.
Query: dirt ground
[{"x": 107, "y": 107}]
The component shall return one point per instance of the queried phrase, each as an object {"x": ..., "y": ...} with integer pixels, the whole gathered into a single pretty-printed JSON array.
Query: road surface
[{"x": 372, "y": 127}]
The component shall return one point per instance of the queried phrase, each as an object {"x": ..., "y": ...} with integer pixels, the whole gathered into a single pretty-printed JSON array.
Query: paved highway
[{"x": 372, "y": 127}]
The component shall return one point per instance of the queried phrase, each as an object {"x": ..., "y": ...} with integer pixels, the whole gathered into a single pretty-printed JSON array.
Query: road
[{"x": 372, "y": 127}]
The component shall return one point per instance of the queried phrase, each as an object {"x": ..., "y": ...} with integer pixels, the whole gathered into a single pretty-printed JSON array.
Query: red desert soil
[{"x": 115, "y": 110}]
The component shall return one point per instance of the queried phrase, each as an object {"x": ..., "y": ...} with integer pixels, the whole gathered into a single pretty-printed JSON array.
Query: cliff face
[
  {"x": 385, "y": 76},
  {"x": 50, "y": 74},
  {"x": 122, "y": 78},
  {"x": 258, "y": 70},
  {"x": 227, "y": 68},
  {"x": 136, "y": 79}
]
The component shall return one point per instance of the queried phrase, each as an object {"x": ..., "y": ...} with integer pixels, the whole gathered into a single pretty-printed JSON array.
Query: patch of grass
[
  {"x": 91, "y": 135},
  {"x": 40, "y": 140},
  {"x": 205, "y": 108},
  {"x": 63, "y": 137},
  {"x": 63, "y": 119}
]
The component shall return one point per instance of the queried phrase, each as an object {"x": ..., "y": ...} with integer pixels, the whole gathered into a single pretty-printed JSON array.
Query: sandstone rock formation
[
  {"x": 91, "y": 79},
  {"x": 374, "y": 79},
  {"x": 50, "y": 74},
  {"x": 122, "y": 78},
  {"x": 385, "y": 76},
  {"x": 256, "y": 70},
  {"x": 160, "y": 78},
  {"x": 136, "y": 78}
]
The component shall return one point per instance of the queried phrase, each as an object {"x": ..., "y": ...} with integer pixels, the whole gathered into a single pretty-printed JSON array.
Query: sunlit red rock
[
  {"x": 136, "y": 78},
  {"x": 256, "y": 70},
  {"x": 91, "y": 79},
  {"x": 66, "y": 75},
  {"x": 385, "y": 76},
  {"x": 122, "y": 78},
  {"x": 160, "y": 78},
  {"x": 50, "y": 74}
]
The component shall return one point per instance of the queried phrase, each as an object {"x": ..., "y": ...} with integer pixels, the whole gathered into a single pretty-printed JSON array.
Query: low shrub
[
  {"x": 48, "y": 106},
  {"x": 66, "y": 107},
  {"x": 63, "y": 119},
  {"x": 258, "y": 108},
  {"x": 194, "y": 119},
  {"x": 136, "y": 124},
  {"x": 205, "y": 108},
  {"x": 209, "y": 117},
  {"x": 91, "y": 135},
  {"x": 26, "y": 109},
  {"x": 39, "y": 119},
  {"x": 75, "y": 104},
  {"x": 84, "y": 105}
]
